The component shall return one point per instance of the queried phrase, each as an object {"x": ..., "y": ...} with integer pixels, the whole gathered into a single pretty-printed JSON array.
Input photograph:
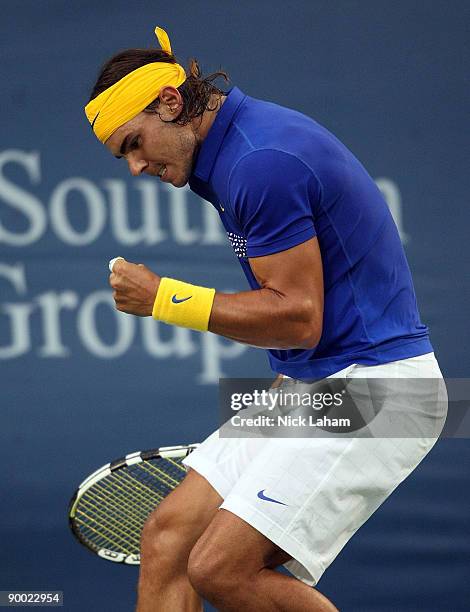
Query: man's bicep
[
  {"x": 295, "y": 274},
  {"x": 286, "y": 312}
]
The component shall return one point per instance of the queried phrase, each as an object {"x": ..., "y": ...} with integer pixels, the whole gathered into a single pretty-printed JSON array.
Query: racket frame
[{"x": 164, "y": 452}]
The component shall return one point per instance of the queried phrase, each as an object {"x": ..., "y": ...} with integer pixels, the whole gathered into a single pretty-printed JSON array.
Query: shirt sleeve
[{"x": 272, "y": 193}]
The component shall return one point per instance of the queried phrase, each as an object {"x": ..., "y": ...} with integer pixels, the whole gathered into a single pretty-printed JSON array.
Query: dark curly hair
[{"x": 197, "y": 91}]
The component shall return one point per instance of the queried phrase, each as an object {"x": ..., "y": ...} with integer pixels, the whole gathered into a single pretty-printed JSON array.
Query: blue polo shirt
[{"x": 278, "y": 178}]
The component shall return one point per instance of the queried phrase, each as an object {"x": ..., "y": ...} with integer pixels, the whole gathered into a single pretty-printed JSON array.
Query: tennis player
[{"x": 331, "y": 295}]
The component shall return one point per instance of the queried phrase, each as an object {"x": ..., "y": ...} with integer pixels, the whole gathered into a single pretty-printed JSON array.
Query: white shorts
[{"x": 309, "y": 496}]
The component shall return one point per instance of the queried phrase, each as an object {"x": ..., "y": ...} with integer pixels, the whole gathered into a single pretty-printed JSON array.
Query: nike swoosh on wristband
[
  {"x": 261, "y": 495},
  {"x": 175, "y": 300}
]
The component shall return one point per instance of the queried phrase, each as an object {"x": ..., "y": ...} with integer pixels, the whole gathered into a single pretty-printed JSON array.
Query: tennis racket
[{"x": 108, "y": 510}]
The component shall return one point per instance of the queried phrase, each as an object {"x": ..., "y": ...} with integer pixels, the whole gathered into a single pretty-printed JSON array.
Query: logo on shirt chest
[{"x": 238, "y": 244}]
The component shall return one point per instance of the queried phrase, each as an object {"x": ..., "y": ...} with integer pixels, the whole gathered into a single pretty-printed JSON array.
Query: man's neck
[{"x": 202, "y": 125}]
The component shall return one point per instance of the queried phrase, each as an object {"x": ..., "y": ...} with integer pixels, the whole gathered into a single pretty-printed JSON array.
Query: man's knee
[
  {"x": 211, "y": 571},
  {"x": 229, "y": 556},
  {"x": 165, "y": 537},
  {"x": 156, "y": 534}
]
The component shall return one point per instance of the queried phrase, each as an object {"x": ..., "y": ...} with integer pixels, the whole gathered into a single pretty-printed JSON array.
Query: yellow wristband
[{"x": 179, "y": 303}]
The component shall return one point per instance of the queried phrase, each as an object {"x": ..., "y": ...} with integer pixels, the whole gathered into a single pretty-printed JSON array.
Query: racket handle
[{"x": 112, "y": 262}]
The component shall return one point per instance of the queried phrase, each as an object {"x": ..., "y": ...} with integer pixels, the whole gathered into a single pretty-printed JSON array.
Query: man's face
[{"x": 155, "y": 147}]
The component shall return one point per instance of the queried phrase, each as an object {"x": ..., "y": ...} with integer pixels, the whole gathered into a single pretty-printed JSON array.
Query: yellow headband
[{"x": 128, "y": 97}]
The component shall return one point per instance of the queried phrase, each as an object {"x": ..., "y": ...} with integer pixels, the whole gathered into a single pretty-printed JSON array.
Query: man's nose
[{"x": 136, "y": 166}]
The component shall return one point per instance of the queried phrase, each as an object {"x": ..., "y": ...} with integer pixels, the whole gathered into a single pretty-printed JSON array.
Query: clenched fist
[{"x": 135, "y": 287}]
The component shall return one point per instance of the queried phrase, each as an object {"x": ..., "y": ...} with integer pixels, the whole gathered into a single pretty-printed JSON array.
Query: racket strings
[
  {"x": 115, "y": 507},
  {"x": 112, "y": 513},
  {"x": 119, "y": 505},
  {"x": 130, "y": 484},
  {"x": 117, "y": 498},
  {"x": 113, "y": 529},
  {"x": 105, "y": 514},
  {"x": 169, "y": 469},
  {"x": 177, "y": 465},
  {"x": 102, "y": 540},
  {"x": 120, "y": 487},
  {"x": 160, "y": 474}
]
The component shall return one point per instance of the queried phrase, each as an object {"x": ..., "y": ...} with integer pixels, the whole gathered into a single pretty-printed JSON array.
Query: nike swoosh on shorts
[{"x": 261, "y": 495}]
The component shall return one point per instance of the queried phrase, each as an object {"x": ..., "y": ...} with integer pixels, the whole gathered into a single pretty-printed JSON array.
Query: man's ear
[{"x": 171, "y": 103}]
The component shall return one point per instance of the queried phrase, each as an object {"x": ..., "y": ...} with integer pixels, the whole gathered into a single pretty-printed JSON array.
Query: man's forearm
[{"x": 265, "y": 318}]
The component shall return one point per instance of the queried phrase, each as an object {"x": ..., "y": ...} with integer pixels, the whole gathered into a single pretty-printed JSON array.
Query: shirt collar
[{"x": 212, "y": 142}]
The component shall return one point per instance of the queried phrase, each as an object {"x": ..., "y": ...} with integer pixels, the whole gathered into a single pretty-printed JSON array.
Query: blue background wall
[{"x": 81, "y": 384}]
